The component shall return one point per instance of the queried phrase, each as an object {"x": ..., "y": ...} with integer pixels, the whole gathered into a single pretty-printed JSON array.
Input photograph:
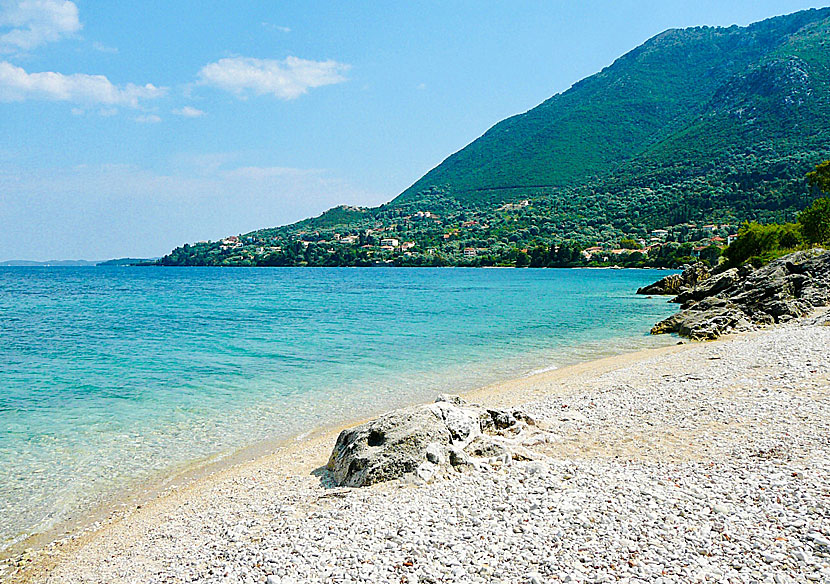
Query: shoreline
[
  {"x": 182, "y": 476},
  {"x": 86, "y": 455},
  {"x": 201, "y": 472},
  {"x": 141, "y": 491},
  {"x": 294, "y": 467}
]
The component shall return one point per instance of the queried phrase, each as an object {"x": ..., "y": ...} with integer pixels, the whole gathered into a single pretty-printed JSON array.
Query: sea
[{"x": 112, "y": 377}]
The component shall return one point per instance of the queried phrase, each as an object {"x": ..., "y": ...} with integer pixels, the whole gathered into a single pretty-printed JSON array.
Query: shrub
[
  {"x": 815, "y": 222},
  {"x": 760, "y": 244}
]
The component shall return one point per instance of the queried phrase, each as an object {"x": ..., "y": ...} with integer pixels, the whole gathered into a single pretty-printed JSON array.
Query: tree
[
  {"x": 820, "y": 177},
  {"x": 815, "y": 222},
  {"x": 710, "y": 255},
  {"x": 628, "y": 243},
  {"x": 759, "y": 244}
]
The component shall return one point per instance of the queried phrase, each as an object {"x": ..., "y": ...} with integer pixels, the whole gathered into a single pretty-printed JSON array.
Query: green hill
[
  {"x": 670, "y": 82},
  {"x": 699, "y": 125}
]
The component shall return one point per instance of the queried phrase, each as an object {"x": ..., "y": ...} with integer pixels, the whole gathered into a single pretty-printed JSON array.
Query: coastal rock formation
[
  {"x": 426, "y": 440},
  {"x": 741, "y": 299},
  {"x": 674, "y": 284}
]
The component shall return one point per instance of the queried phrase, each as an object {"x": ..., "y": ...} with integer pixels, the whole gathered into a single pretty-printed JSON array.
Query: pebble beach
[{"x": 701, "y": 462}]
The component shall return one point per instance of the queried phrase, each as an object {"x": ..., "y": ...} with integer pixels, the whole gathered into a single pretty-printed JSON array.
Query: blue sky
[{"x": 129, "y": 128}]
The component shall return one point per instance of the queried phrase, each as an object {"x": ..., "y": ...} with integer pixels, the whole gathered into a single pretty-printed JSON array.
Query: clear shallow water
[{"x": 112, "y": 375}]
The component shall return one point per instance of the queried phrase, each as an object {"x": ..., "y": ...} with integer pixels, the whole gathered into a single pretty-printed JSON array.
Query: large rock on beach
[
  {"x": 710, "y": 318},
  {"x": 674, "y": 284},
  {"x": 742, "y": 299},
  {"x": 712, "y": 286},
  {"x": 426, "y": 440}
]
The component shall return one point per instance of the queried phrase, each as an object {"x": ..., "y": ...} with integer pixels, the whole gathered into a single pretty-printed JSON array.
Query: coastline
[
  {"x": 141, "y": 491},
  {"x": 293, "y": 463},
  {"x": 147, "y": 402},
  {"x": 313, "y": 445}
]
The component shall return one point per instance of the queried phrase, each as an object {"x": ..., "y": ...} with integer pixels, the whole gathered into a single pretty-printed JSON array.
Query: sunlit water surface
[{"x": 113, "y": 376}]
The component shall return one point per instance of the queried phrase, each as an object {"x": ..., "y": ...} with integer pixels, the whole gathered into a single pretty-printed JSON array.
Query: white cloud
[
  {"x": 276, "y": 27},
  {"x": 36, "y": 22},
  {"x": 189, "y": 112},
  {"x": 18, "y": 85},
  {"x": 148, "y": 119},
  {"x": 102, "y": 48},
  {"x": 203, "y": 164},
  {"x": 286, "y": 79}
]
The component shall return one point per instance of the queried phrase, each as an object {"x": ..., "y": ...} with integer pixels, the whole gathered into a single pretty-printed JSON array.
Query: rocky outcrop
[
  {"x": 709, "y": 319},
  {"x": 424, "y": 441},
  {"x": 742, "y": 299},
  {"x": 674, "y": 284},
  {"x": 713, "y": 285}
]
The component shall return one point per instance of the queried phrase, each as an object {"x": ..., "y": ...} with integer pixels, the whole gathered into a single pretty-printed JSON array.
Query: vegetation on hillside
[
  {"x": 820, "y": 177},
  {"x": 672, "y": 147},
  {"x": 671, "y": 82},
  {"x": 760, "y": 244}
]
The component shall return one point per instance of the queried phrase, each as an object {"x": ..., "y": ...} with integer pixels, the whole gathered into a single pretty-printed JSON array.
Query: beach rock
[
  {"x": 822, "y": 319},
  {"x": 674, "y": 284},
  {"x": 457, "y": 457},
  {"x": 386, "y": 448},
  {"x": 743, "y": 298},
  {"x": 425, "y": 441},
  {"x": 483, "y": 448},
  {"x": 712, "y": 286},
  {"x": 435, "y": 453},
  {"x": 711, "y": 318}
]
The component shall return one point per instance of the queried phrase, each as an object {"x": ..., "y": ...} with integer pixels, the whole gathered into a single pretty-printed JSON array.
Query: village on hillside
[{"x": 466, "y": 238}]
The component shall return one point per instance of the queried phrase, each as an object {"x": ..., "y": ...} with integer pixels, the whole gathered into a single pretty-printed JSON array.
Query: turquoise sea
[{"x": 110, "y": 377}]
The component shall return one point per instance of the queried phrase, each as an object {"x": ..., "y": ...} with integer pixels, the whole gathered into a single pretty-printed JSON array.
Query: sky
[{"x": 129, "y": 128}]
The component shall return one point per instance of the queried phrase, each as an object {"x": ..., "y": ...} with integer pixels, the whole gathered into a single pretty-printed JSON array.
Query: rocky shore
[
  {"x": 742, "y": 298},
  {"x": 695, "y": 463}
]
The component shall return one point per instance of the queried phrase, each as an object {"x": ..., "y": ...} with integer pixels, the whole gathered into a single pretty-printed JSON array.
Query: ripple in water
[{"x": 111, "y": 376}]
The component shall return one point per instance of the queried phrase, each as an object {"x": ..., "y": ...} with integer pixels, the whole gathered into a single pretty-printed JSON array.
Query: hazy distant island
[
  {"x": 129, "y": 262},
  {"x": 81, "y": 263},
  {"x": 48, "y": 263},
  {"x": 657, "y": 160}
]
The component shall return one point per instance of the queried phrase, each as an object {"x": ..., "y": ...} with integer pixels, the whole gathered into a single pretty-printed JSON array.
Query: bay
[{"x": 112, "y": 376}]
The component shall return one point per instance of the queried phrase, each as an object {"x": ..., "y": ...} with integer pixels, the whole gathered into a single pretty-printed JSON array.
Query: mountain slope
[
  {"x": 696, "y": 126},
  {"x": 748, "y": 149},
  {"x": 611, "y": 117}
]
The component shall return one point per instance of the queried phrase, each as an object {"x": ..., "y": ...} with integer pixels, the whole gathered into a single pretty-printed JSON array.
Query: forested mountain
[
  {"x": 675, "y": 79},
  {"x": 696, "y": 126}
]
